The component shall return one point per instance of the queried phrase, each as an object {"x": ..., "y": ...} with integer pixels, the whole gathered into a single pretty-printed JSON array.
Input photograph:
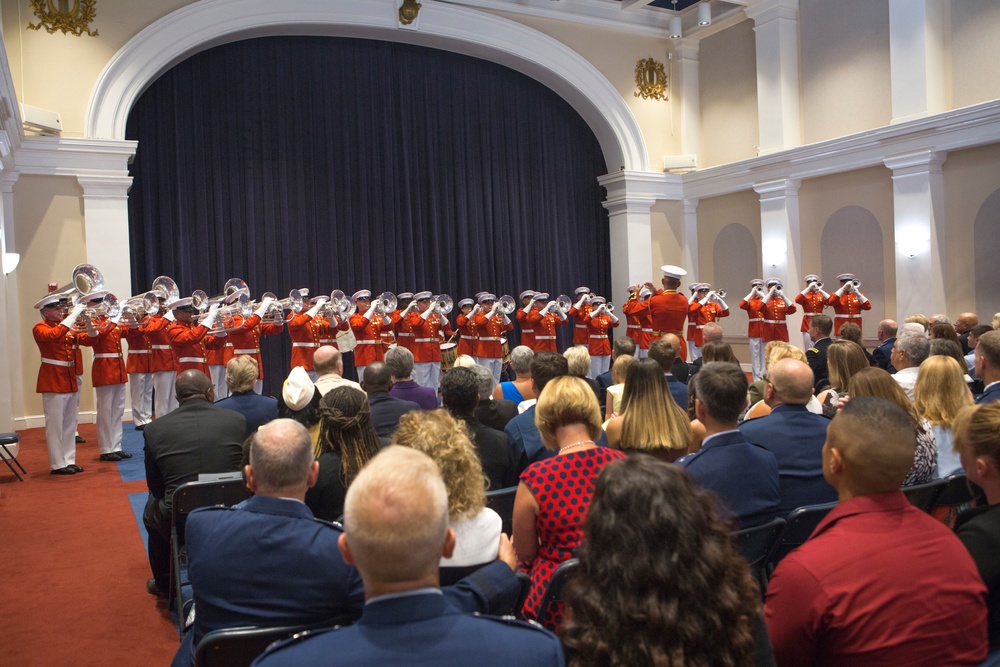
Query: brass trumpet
[
  {"x": 444, "y": 303},
  {"x": 86, "y": 279},
  {"x": 137, "y": 309},
  {"x": 100, "y": 317},
  {"x": 226, "y": 319},
  {"x": 563, "y": 304},
  {"x": 295, "y": 302},
  {"x": 507, "y": 305}
]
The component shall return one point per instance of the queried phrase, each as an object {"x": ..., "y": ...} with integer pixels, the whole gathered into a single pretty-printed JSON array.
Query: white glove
[
  {"x": 820, "y": 290},
  {"x": 840, "y": 292},
  {"x": 751, "y": 295},
  {"x": 493, "y": 311},
  {"x": 506, "y": 320},
  {"x": 169, "y": 317},
  {"x": 768, "y": 295},
  {"x": 209, "y": 320},
  {"x": 708, "y": 297},
  {"x": 475, "y": 311},
  {"x": 809, "y": 288},
  {"x": 370, "y": 312},
  {"x": 312, "y": 312},
  {"x": 548, "y": 307},
  {"x": 862, "y": 298},
  {"x": 583, "y": 300},
  {"x": 73, "y": 315},
  {"x": 694, "y": 297},
  {"x": 427, "y": 313},
  {"x": 722, "y": 304},
  {"x": 264, "y": 306},
  {"x": 560, "y": 313},
  {"x": 611, "y": 315},
  {"x": 410, "y": 307}
]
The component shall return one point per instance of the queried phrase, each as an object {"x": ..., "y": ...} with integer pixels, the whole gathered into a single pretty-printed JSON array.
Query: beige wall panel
[
  {"x": 667, "y": 231},
  {"x": 728, "y": 78},
  {"x": 48, "y": 219},
  {"x": 975, "y": 51},
  {"x": 845, "y": 67}
]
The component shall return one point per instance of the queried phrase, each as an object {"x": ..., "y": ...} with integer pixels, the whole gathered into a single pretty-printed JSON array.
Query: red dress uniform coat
[
  {"x": 161, "y": 352},
  {"x": 109, "y": 362},
  {"x": 774, "y": 320},
  {"x": 812, "y": 303},
  {"x": 598, "y": 343},
  {"x": 403, "y": 329},
  {"x": 580, "y": 330},
  {"x": 304, "y": 332},
  {"x": 640, "y": 323},
  {"x": 427, "y": 337},
  {"x": 490, "y": 331},
  {"x": 527, "y": 329},
  {"x": 702, "y": 315},
  {"x": 216, "y": 356},
  {"x": 190, "y": 343},
  {"x": 667, "y": 312},
  {"x": 139, "y": 355},
  {"x": 327, "y": 333},
  {"x": 57, "y": 373},
  {"x": 847, "y": 308},
  {"x": 369, "y": 336},
  {"x": 246, "y": 341},
  {"x": 753, "y": 307},
  {"x": 468, "y": 335},
  {"x": 77, "y": 352},
  {"x": 544, "y": 327}
]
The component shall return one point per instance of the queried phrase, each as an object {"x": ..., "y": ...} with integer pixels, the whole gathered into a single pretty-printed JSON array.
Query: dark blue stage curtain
[{"x": 343, "y": 163}]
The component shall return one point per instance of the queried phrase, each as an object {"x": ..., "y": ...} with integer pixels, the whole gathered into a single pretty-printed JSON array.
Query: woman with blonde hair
[
  {"x": 554, "y": 494},
  {"x": 651, "y": 422},
  {"x": 613, "y": 399},
  {"x": 844, "y": 359},
  {"x": 939, "y": 394},
  {"x": 447, "y": 441}
]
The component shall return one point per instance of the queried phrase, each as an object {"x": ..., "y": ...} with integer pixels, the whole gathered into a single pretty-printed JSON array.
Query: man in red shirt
[
  {"x": 847, "y": 302},
  {"x": 400, "y": 320},
  {"x": 162, "y": 364},
  {"x": 755, "y": 329},
  {"x": 879, "y": 582},
  {"x": 813, "y": 301},
  {"x": 668, "y": 309}
]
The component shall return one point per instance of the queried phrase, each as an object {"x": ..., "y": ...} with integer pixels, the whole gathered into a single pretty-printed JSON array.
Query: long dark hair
[
  {"x": 660, "y": 580},
  {"x": 347, "y": 429}
]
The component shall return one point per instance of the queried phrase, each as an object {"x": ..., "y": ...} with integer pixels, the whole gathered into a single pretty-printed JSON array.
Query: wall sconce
[
  {"x": 651, "y": 80},
  {"x": 10, "y": 262},
  {"x": 912, "y": 245},
  {"x": 408, "y": 11},
  {"x": 69, "y": 16},
  {"x": 774, "y": 254}
]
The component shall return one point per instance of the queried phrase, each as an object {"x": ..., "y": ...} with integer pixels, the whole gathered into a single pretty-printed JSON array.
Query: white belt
[
  {"x": 647, "y": 330},
  {"x": 580, "y": 326},
  {"x": 107, "y": 355},
  {"x": 67, "y": 364},
  {"x": 191, "y": 360},
  {"x": 632, "y": 326},
  {"x": 774, "y": 321},
  {"x": 699, "y": 326},
  {"x": 160, "y": 347},
  {"x": 426, "y": 340},
  {"x": 846, "y": 316},
  {"x": 302, "y": 345},
  {"x": 467, "y": 337},
  {"x": 488, "y": 338},
  {"x": 545, "y": 337},
  {"x": 405, "y": 335},
  {"x": 369, "y": 342},
  {"x": 593, "y": 336},
  {"x": 131, "y": 351},
  {"x": 251, "y": 350}
]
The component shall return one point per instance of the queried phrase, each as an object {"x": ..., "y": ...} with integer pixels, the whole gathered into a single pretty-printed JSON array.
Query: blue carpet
[
  {"x": 133, "y": 469},
  {"x": 138, "y": 503}
]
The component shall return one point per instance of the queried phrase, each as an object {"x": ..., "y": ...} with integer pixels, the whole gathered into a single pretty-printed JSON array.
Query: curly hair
[
  {"x": 660, "y": 581},
  {"x": 347, "y": 429},
  {"x": 447, "y": 441}
]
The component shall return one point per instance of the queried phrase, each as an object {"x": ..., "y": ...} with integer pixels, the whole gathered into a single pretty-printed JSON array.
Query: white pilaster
[
  {"x": 689, "y": 242},
  {"x": 687, "y": 94},
  {"x": 11, "y": 397},
  {"x": 630, "y": 195},
  {"x": 918, "y": 210},
  {"x": 776, "y": 26},
  {"x": 917, "y": 58},
  {"x": 781, "y": 244},
  {"x": 105, "y": 213}
]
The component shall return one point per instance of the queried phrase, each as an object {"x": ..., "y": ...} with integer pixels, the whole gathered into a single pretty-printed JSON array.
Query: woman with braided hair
[{"x": 347, "y": 440}]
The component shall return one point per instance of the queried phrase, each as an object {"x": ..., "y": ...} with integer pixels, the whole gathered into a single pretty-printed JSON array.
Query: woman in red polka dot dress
[{"x": 554, "y": 494}]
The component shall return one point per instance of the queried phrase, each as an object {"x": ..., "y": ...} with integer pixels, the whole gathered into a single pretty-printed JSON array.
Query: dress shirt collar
[
  {"x": 405, "y": 594},
  {"x": 892, "y": 501},
  {"x": 709, "y": 439}
]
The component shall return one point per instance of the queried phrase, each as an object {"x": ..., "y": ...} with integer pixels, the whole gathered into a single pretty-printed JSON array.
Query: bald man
[
  {"x": 794, "y": 435},
  {"x": 963, "y": 325},
  {"x": 329, "y": 366},
  {"x": 879, "y": 582}
]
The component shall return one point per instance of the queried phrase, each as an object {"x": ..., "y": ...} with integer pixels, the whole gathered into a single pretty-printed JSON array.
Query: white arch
[{"x": 202, "y": 25}]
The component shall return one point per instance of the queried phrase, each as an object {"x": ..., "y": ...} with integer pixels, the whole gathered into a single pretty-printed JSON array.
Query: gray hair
[
  {"x": 579, "y": 360},
  {"x": 281, "y": 454},
  {"x": 915, "y": 328},
  {"x": 916, "y": 346},
  {"x": 485, "y": 379},
  {"x": 241, "y": 373},
  {"x": 520, "y": 359},
  {"x": 400, "y": 362}
]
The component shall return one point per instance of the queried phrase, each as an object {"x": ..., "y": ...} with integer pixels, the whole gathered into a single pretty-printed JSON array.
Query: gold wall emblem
[
  {"x": 70, "y": 16},
  {"x": 651, "y": 80}
]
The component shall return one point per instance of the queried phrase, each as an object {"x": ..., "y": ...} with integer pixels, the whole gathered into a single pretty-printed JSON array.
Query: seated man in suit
[
  {"x": 241, "y": 376},
  {"x": 794, "y": 435},
  {"x": 396, "y": 518},
  {"x": 879, "y": 582},
  {"x": 198, "y": 437},
  {"x": 711, "y": 333},
  {"x": 664, "y": 352},
  {"x": 235, "y": 553},
  {"x": 525, "y": 440},
  {"x": 623, "y": 346},
  {"x": 987, "y": 362},
  {"x": 329, "y": 366},
  {"x": 886, "y": 339},
  {"x": 745, "y": 476},
  {"x": 494, "y": 412},
  {"x": 400, "y": 363},
  {"x": 820, "y": 327},
  {"x": 386, "y": 409}
]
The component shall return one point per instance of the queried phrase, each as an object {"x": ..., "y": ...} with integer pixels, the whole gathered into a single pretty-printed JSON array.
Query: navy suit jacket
[
  {"x": 678, "y": 390},
  {"x": 991, "y": 394},
  {"x": 386, "y": 411},
  {"x": 744, "y": 476},
  {"x": 816, "y": 356},
  {"x": 604, "y": 381},
  {"x": 883, "y": 353},
  {"x": 257, "y": 409},
  {"x": 526, "y": 442},
  {"x": 425, "y": 397},
  {"x": 795, "y": 436},
  {"x": 421, "y": 630}
]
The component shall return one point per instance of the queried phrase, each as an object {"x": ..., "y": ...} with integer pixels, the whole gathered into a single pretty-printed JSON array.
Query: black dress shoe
[
  {"x": 139, "y": 427},
  {"x": 123, "y": 454},
  {"x": 80, "y": 440},
  {"x": 75, "y": 468},
  {"x": 112, "y": 456},
  {"x": 68, "y": 470},
  {"x": 153, "y": 589}
]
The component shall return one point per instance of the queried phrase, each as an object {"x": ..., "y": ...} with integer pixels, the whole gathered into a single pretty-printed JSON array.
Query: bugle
[
  {"x": 135, "y": 311},
  {"x": 506, "y": 304},
  {"x": 99, "y": 317},
  {"x": 444, "y": 303},
  {"x": 86, "y": 279},
  {"x": 166, "y": 288}
]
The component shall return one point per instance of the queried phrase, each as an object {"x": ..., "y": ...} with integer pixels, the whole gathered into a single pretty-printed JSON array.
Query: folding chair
[
  {"x": 923, "y": 496},
  {"x": 758, "y": 545},
  {"x": 799, "y": 525},
  {"x": 958, "y": 495},
  {"x": 239, "y": 647},
  {"x": 11, "y": 439},
  {"x": 547, "y": 610},
  {"x": 501, "y": 501},
  {"x": 187, "y": 498}
]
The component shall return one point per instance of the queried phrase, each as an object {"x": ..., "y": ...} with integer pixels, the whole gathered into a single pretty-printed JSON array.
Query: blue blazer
[
  {"x": 257, "y": 409},
  {"x": 526, "y": 442},
  {"x": 795, "y": 436},
  {"x": 678, "y": 390},
  {"x": 991, "y": 394},
  {"x": 883, "y": 353},
  {"x": 744, "y": 476},
  {"x": 421, "y": 630}
]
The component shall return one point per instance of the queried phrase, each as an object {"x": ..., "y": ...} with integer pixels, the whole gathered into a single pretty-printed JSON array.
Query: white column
[
  {"x": 11, "y": 398},
  {"x": 781, "y": 244},
  {"x": 105, "y": 213},
  {"x": 689, "y": 242},
  {"x": 917, "y": 58},
  {"x": 687, "y": 94},
  {"x": 918, "y": 210},
  {"x": 776, "y": 25},
  {"x": 630, "y": 197}
]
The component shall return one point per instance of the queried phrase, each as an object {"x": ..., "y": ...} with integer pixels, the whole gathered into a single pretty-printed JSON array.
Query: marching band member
[
  {"x": 78, "y": 369},
  {"x": 107, "y": 373},
  {"x": 636, "y": 311},
  {"x": 215, "y": 357},
  {"x": 599, "y": 320},
  {"x": 632, "y": 328},
  {"x": 329, "y": 327},
  {"x": 813, "y": 301},
  {"x": 189, "y": 338},
  {"x": 753, "y": 304},
  {"x": 57, "y": 381},
  {"x": 427, "y": 326},
  {"x": 544, "y": 322},
  {"x": 245, "y": 339},
  {"x": 692, "y": 324},
  {"x": 709, "y": 307},
  {"x": 367, "y": 330},
  {"x": 491, "y": 326},
  {"x": 668, "y": 309},
  {"x": 138, "y": 365},
  {"x": 776, "y": 308},
  {"x": 467, "y": 330},
  {"x": 162, "y": 364},
  {"x": 401, "y": 321},
  {"x": 528, "y": 303},
  {"x": 579, "y": 312},
  {"x": 847, "y": 302},
  {"x": 304, "y": 330}
]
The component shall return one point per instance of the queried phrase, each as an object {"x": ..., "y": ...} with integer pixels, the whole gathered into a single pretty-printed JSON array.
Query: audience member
[
  {"x": 973, "y": 340},
  {"x": 526, "y": 441},
  {"x": 922, "y": 320},
  {"x": 712, "y": 333},
  {"x": 794, "y": 435},
  {"x": 241, "y": 377},
  {"x": 400, "y": 363},
  {"x": 988, "y": 366},
  {"x": 329, "y": 366},
  {"x": 386, "y": 409},
  {"x": 197, "y": 437},
  {"x": 495, "y": 413},
  {"x": 977, "y": 437},
  {"x": 909, "y": 352},
  {"x": 651, "y": 421},
  {"x": 300, "y": 401},
  {"x": 852, "y": 332},
  {"x": 964, "y": 324},
  {"x": 886, "y": 340},
  {"x": 940, "y": 318},
  {"x": 613, "y": 397},
  {"x": 519, "y": 389},
  {"x": 820, "y": 327},
  {"x": 745, "y": 476},
  {"x": 945, "y": 331},
  {"x": 857, "y": 593},
  {"x": 680, "y": 369},
  {"x": 939, "y": 394},
  {"x": 396, "y": 531},
  {"x": 844, "y": 359},
  {"x": 645, "y": 518},
  {"x": 460, "y": 396},
  {"x": 774, "y": 352},
  {"x": 719, "y": 351},
  {"x": 995, "y": 322},
  {"x": 622, "y": 347},
  {"x": 664, "y": 352},
  {"x": 578, "y": 365},
  {"x": 548, "y": 515}
]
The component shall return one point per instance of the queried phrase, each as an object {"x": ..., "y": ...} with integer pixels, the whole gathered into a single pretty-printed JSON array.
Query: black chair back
[
  {"x": 548, "y": 609},
  {"x": 501, "y": 501},
  {"x": 958, "y": 495},
  {"x": 799, "y": 525},
  {"x": 924, "y": 496},
  {"x": 239, "y": 647},
  {"x": 758, "y": 545}
]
